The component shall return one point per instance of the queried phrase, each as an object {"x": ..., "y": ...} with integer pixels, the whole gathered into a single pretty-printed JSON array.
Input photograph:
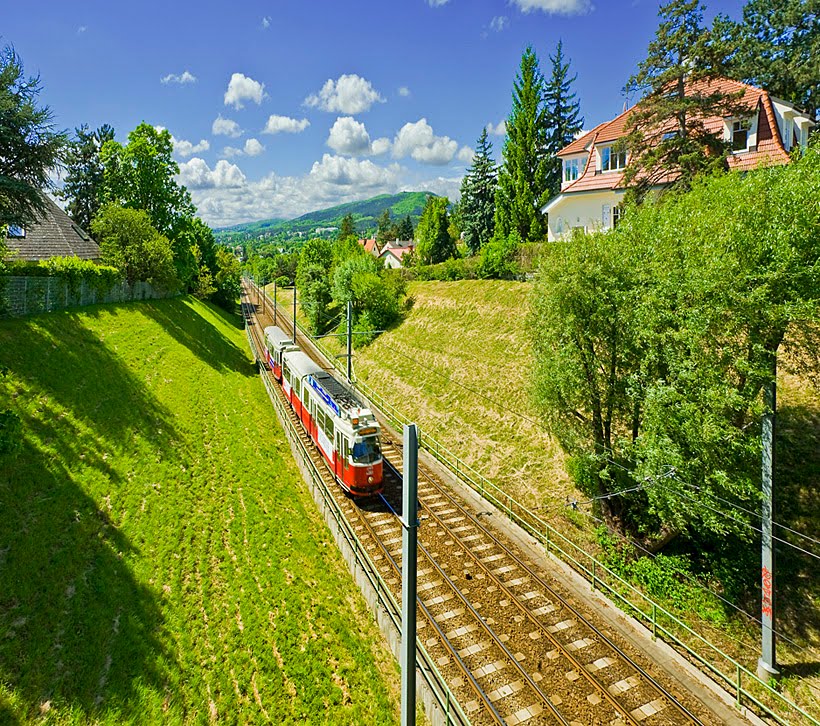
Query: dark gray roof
[{"x": 53, "y": 235}]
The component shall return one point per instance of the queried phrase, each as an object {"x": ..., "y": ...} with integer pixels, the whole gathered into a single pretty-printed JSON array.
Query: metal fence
[
  {"x": 23, "y": 295},
  {"x": 745, "y": 685}
]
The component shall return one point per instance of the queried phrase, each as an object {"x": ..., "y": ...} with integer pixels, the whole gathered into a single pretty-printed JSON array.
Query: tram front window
[{"x": 366, "y": 451}]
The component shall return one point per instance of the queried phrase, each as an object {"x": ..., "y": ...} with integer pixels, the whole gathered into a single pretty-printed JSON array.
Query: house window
[
  {"x": 740, "y": 135},
  {"x": 16, "y": 231},
  {"x": 617, "y": 215},
  {"x": 572, "y": 169},
  {"x": 669, "y": 135},
  {"x": 612, "y": 160}
]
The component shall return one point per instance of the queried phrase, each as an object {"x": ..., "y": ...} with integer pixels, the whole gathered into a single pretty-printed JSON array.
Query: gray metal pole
[
  {"x": 263, "y": 296},
  {"x": 410, "y": 485},
  {"x": 294, "y": 314},
  {"x": 767, "y": 664},
  {"x": 274, "y": 302},
  {"x": 349, "y": 341}
]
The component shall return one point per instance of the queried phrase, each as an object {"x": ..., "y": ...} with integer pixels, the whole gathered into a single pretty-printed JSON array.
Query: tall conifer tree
[
  {"x": 478, "y": 196},
  {"x": 667, "y": 135},
  {"x": 522, "y": 180},
  {"x": 84, "y": 180},
  {"x": 563, "y": 115}
]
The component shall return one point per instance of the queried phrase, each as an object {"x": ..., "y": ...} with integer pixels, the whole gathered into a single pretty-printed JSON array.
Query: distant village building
[
  {"x": 54, "y": 234},
  {"x": 370, "y": 246},
  {"x": 393, "y": 253},
  {"x": 593, "y": 164}
]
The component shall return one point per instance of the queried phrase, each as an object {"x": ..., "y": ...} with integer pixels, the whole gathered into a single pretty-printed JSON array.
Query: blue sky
[{"x": 279, "y": 107}]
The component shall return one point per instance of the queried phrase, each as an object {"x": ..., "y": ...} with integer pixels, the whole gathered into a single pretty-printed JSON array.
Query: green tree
[
  {"x": 434, "y": 241},
  {"x": 84, "y": 179},
  {"x": 313, "y": 282},
  {"x": 348, "y": 227},
  {"x": 522, "y": 179},
  {"x": 30, "y": 147},
  {"x": 227, "y": 278},
  {"x": 129, "y": 242},
  {"x": 142, "y": 175},
  {"x": 384, "y": 228},
  {"x": 562, "y": 118},
  {"x": 478, "y": 189},
  {"x": 404, "y": 229},
  {"x": 667, "y": 134},
  {"x": 777, "y": 47}
]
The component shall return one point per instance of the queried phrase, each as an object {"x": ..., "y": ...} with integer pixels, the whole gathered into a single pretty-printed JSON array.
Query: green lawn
[{"x": 160, "y": 558}]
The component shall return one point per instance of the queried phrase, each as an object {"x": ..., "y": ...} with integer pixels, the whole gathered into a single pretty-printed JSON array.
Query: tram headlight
[{"x": 370, "y": 480}]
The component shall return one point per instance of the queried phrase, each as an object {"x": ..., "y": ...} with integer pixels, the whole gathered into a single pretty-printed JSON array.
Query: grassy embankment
[
  {"x": 160, "y": 558},
  {"x": 472, "y": 334}
]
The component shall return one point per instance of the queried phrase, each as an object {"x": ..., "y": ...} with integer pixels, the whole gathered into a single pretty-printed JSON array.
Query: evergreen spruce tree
[
  {"x": 404, "y": 230},
  {"x": 563, "y": 116},
  {"x": 478, "y": 196},
  {"x": 84, "y": 181},
  {"x": 666, "y": 131},
  {"x": 347, "y": 228},
  {"x": 522, "y": 180}
]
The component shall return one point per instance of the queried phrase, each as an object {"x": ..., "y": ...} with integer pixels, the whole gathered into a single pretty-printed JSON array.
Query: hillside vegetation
[
  {"x": 160, "y": 558},
  {"x": 365, "y": 214}
]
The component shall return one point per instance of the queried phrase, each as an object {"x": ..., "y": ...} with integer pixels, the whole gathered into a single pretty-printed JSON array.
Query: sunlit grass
[{"x": 160, "y": 558}]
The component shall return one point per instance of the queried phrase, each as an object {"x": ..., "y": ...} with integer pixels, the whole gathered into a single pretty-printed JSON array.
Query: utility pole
[
  {"x": 274, "y": 302},
  {"x": 294, "y": 314},
  {"x": 767, "y": 664},
  {"x": 349, "y": 341},
  {"x": 410, "y": 485},
  {"x": 263, "y": 296}
]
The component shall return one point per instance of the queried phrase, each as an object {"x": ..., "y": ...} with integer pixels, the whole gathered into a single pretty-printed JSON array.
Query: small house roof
[{"x": 54, "y": 234}]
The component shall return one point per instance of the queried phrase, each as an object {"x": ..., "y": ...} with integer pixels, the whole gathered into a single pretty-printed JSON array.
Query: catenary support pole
[
  {"x": 410, "y": 487},
  {"x": 294, "y": 314},
  {"x": 274, "y": 302},
  {"x": 767, "y": 665},
  {"x": 349, "y": 340}
]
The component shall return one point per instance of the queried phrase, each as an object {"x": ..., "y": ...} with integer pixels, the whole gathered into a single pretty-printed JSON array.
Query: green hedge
[{"x": 73, "y": 270}]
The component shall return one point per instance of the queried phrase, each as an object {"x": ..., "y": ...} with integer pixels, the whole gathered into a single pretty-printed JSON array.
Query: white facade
[{"x": 594, "y": 210}]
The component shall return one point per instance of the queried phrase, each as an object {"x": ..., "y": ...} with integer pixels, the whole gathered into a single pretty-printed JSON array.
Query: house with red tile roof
[
  {"x": 394, "y": 252},
  {"x": 593, "y": 165},
  {"x": 370, "y": 246}
]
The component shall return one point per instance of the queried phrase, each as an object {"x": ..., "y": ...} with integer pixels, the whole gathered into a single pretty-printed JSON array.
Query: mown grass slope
[{"x": 160, "y": 558}]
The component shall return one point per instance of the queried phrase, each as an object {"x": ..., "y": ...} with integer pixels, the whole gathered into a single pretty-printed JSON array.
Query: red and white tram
[
  {"x": 346, "y": 432},
  {"x": 277, "y": 341}
]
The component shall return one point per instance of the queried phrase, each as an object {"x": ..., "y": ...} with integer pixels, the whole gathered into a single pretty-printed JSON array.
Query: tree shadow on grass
[
  {"x": 78, "y": 632},
  {"x": 182, "y": 322}
]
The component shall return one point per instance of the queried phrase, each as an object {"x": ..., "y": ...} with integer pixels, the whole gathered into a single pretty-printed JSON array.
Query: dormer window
[
  {"x": 572, "y": 169},
  {"x": 740, "y": 135},
  {"x": 16, "y": 232},
  {"x": 612, "y": 160}
]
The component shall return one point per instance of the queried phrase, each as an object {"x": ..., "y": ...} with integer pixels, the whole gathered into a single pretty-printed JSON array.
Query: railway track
[{"x": 512, "y": 647}]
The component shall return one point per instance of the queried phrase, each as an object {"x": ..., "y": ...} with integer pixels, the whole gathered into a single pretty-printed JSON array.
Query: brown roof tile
[{"x": 53, "y": 235}]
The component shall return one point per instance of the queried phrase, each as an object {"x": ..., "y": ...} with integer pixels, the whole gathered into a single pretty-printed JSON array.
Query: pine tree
[
  {"x": 563, "y": 116},
  {"x": 347, "y": 228},
  {"x": 777, "y": 47},
  {"x": 667, "y": 136},
  {"x": 478, "y": 196},
  {"x": 84, "y": 181},
  {"x": 384, "y": 227},
  {"x": 404, "y": 229},
  {"x": 522, "y": 180}
]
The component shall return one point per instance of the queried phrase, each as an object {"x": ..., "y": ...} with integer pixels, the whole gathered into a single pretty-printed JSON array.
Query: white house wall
[{"x": 590, "y": 210}]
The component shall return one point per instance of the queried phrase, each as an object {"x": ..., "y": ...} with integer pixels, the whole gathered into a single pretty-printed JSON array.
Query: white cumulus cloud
[
  {"x": 418, "y": 141},
  {"x": 285, "y": 124},
  {"x": 340, "y": 171},
  {"x": 348, "y": 136},
  {"x": 465, "y": 154},
  {"x": 182, "y": 78},
  {"x": 196, "y": 174},
  {"x": 241, "y": 89},
  {"x": 225, "y": 127},
  {"x": 253, "y": 147},
  {"x": 556, "y": 7},
  {"x": 499, "y": 129},
  {"x": 348, "y": 94},
  {"x": 185, "y": 148},
  {"x": 404, "y": 91},
  {"x": 266, "y": 22}
]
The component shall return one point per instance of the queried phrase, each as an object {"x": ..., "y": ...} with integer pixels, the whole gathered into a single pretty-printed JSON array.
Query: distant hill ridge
[{"x": 365, "y": 213}]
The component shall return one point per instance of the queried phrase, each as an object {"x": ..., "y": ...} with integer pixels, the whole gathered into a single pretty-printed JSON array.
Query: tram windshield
[{"x": 366, "y": 450}]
